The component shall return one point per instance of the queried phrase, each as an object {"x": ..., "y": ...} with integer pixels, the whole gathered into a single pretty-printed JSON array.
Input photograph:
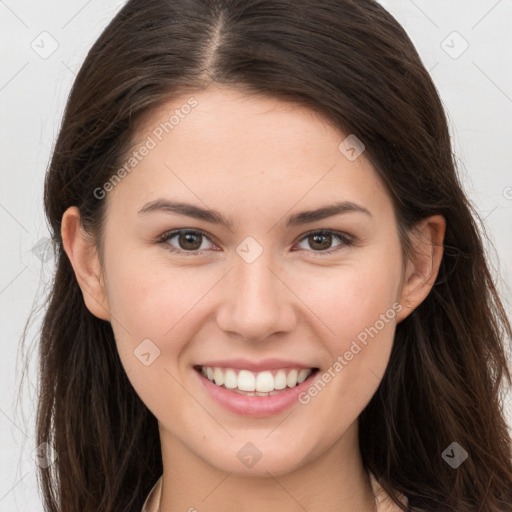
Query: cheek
[
  {"x": 150, "y": 305},
  {"x": 149, "y": 297},
  {"x": 353, "y": 297},
  {"x": 150, "y": 312},
  {"x": 358, "y": 308}
]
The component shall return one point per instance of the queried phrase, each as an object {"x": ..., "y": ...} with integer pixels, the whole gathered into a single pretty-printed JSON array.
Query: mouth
[{"x": 265, "y": 383}]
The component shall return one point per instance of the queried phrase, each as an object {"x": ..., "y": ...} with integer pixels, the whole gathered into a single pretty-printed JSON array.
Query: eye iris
[
  {"x": 321, "y": 236},
  {"x": 185, "y": 238}
]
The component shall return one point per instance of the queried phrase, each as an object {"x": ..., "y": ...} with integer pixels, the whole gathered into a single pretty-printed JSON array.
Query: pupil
[
  {"x": 188, "y": 238},
  {"x": 325, "y": 237}
]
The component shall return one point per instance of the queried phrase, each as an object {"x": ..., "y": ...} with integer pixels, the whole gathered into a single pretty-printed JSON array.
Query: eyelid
[{"x": 344, "y": 237}]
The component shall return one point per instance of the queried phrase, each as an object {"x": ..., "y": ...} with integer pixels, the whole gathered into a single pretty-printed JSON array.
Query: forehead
[
  {"x": 248, "y": 117},
  {"x": 229, "y": 147}
]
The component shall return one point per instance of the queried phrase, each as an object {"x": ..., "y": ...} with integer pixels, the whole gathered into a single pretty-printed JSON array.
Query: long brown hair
[{"x": 352, "y": 62}]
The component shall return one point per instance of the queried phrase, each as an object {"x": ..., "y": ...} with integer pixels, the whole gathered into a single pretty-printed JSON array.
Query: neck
[{"x": 334, "y": 481}]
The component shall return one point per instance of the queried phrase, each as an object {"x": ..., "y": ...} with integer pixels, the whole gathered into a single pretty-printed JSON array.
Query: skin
[{"x": 256, "y": 160}]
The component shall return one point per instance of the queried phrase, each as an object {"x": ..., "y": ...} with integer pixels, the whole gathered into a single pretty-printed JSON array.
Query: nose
[{"x": 256, "y": 301}]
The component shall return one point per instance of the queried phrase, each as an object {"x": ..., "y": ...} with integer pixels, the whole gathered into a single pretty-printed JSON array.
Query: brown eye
[
  {"x": 187, "y": 240},
  {"x": 321, "y": 241},
  {"x": 190, "y": 241}
]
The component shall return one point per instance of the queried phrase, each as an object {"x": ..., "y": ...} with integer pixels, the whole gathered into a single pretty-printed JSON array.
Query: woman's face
[{"x": 266, "y": 292}]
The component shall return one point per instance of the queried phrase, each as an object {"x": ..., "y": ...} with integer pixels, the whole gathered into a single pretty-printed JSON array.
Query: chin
[{"x": 259, "y": 458}]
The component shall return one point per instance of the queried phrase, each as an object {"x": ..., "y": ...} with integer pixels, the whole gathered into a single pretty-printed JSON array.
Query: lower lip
[{"x": 255, "y": 406}]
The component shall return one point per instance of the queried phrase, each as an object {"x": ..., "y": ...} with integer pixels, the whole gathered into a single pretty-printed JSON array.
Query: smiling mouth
[{"x": 264, "y": 383}]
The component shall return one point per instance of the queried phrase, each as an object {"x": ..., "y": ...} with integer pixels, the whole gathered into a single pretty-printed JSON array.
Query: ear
[
  {"x": 423, "y": 266},
  {"x": 82, "y": 253}
]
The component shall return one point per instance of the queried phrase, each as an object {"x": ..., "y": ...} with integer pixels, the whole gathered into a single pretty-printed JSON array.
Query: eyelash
[{"x": 343, "y": 237}]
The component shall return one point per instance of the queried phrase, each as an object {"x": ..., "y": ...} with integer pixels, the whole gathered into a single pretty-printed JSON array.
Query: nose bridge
[{"x": 256, "y": 302}]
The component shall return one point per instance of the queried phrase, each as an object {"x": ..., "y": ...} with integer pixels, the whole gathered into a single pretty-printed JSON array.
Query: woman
[{"x": 331, "y": 339}]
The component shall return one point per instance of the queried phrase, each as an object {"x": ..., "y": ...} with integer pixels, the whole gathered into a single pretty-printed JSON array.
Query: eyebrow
[{"x": 214, "y": 217}]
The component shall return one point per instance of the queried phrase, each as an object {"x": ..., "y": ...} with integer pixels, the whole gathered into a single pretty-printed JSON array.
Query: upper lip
[{"x": 246, "y": 364}]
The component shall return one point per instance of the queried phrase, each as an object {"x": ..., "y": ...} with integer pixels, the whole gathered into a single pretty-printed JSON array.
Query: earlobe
[
  {"x": 423, "y": 267},
  {"x": 83, "y": 255}
]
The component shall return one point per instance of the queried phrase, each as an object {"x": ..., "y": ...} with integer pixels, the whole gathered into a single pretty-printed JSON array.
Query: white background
[{"x": 476, "y": 89}]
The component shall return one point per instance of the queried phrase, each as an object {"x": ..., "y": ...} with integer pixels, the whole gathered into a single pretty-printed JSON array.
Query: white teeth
[
  {"x": 246, "y": 381},
  {"x": 264, "y": 382},
  {"x": 280, "y": 380},
  {"x": 218, "y": 376},
  {"x": 230, "y": 379},
  {"x": 303, "y": 375},
  {"x": 291, "y": 379},
  {"x": 256, "y": 384}
]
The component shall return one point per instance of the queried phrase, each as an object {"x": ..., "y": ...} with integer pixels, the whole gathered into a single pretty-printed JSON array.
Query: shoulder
[
  {"x": 153, "y": 499},
  {"x": 384, "y": 502}
]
